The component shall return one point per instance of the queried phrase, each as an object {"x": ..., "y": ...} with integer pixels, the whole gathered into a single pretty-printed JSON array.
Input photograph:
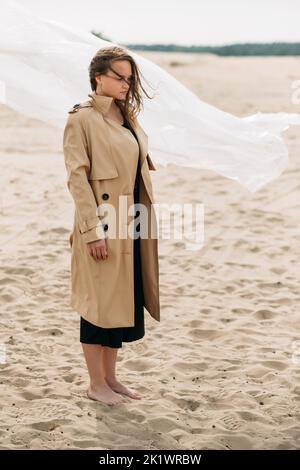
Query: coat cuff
[{"x": 91, "y": 229}]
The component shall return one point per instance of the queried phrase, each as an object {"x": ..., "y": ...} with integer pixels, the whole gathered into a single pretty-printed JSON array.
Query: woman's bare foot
[
  {"x": 117, "y": 387},
  {"x": 104, "y": 394}
]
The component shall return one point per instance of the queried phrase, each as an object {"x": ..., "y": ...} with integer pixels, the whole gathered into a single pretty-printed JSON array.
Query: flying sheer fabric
[{"x": 44, "y": 71}]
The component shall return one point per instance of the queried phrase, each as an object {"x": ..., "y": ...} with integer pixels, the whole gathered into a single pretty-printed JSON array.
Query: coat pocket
[{"x": 103, "y": 171}]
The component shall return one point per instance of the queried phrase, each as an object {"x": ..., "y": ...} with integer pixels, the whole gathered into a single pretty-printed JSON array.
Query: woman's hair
[{"x": 101, "y": 63}]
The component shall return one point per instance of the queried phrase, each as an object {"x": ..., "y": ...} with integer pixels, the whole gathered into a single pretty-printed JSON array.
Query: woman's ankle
[
  {"x": 95, "y": 385},
  {"x": 111, "y": 379}
]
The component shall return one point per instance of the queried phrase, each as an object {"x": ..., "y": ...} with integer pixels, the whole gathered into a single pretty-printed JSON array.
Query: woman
[{"x": 114, "y": 261}]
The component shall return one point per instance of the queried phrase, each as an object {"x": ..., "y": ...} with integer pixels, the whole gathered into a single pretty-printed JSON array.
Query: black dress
[{"x": 113, "y": 337}]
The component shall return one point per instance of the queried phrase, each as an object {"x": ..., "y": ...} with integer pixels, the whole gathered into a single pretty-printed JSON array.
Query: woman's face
[{"x": 116, "y": 81}]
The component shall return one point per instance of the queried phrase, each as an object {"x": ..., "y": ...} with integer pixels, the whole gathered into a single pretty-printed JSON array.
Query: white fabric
[{"x": 44, "y": 66}]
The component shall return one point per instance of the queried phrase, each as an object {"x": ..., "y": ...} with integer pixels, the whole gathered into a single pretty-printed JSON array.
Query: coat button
[
  {"x": 136, "y": 214},
  {"x": 105, "y": 196},
  {"x": 105, "y": 227}
]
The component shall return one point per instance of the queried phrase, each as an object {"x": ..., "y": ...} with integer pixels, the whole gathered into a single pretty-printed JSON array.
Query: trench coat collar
[{"x": 101, "y": 102}]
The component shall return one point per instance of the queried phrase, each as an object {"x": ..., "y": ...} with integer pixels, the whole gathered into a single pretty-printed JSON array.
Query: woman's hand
[{"x": 98, "y": 249}]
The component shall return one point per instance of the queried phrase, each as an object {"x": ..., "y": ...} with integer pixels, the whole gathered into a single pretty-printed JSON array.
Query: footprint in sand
[
  {"x": 232, "y": 423},
  {"x": 265, "y": 314},
  {"x": 278, "y": 365}
]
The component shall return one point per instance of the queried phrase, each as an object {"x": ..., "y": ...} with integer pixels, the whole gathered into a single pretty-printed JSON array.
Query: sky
[{"x": 185, "y": 22}]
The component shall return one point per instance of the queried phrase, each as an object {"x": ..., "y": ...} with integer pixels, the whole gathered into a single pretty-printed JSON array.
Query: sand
[{"x": 221, "y": 369}]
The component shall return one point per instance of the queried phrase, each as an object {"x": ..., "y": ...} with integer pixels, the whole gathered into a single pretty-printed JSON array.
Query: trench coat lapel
[{"x": 102, "y": 104}]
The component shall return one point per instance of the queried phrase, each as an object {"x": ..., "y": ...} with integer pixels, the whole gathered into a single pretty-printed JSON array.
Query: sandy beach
[{"x": 222, "y": 368}]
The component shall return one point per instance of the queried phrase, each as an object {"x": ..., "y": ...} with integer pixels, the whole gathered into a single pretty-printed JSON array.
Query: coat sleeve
[{"x": 77, "y": 164}]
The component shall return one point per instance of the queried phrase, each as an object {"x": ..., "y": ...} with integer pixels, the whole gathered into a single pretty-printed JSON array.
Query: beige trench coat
[{"x": 103, "y": 291}]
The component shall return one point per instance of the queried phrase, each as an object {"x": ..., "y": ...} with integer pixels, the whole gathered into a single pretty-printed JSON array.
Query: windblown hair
[{"x": 101, "y": 63}]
